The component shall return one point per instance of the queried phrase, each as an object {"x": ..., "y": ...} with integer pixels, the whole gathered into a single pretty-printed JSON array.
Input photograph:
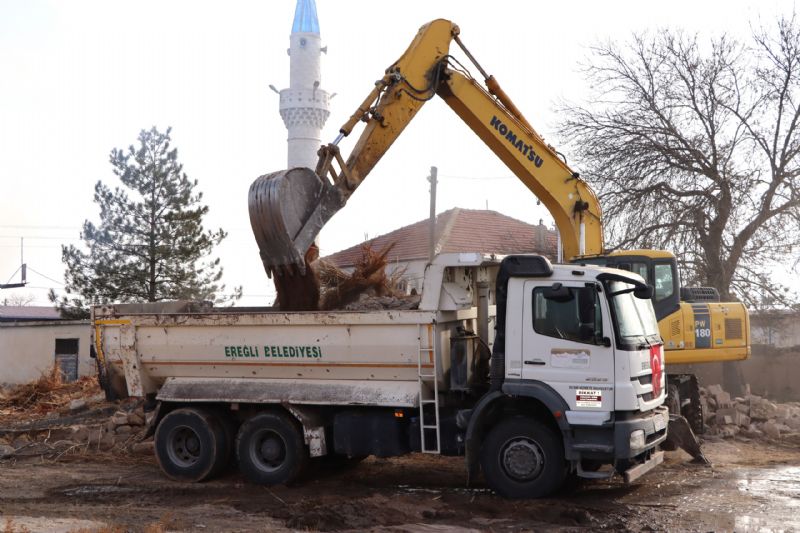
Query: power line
[
  {"x": 18, "y": 226},
  {"x": 31, "y": 237},
  {"x": 45, "y": 277}
]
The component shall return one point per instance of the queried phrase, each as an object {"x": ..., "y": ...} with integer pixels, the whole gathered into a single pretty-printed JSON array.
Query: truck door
[{"x": 564, "y": 343}]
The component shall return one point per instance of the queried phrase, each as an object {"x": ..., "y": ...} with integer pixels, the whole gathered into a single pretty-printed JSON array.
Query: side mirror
[
  {"x": 643, "y": 292},
  {"x": 604, "y": 341},
  {"x": 558, "y": 293}
]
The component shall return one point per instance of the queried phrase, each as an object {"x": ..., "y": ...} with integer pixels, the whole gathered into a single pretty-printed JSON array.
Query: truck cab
[{"x": 582, "y": 358}]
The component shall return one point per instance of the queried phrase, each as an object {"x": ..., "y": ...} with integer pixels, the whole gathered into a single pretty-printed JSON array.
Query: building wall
[
  {"x": 777, "y": 329},
  {"x": 27, "y": 349}
]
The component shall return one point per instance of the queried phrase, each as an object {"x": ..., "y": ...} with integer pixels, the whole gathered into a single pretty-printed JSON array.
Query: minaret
[{"x": 304, "y": 105}]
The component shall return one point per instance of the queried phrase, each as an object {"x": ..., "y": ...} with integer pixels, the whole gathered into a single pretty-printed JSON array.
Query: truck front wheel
[
  {"x": 270, "y": 449},
  {"x": 190, "y": 444},
  {"x": 523, "y": 458}
]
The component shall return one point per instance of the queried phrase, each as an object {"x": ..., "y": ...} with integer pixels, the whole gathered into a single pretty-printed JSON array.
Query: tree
[
  {"x": 19, "y": 299},
  {"x": 150, "y": 244},
  {"x": 693, "y": 147}
]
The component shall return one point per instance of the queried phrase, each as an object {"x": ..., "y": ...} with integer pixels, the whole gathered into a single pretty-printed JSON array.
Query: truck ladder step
[{"x": 428, "y": 392}]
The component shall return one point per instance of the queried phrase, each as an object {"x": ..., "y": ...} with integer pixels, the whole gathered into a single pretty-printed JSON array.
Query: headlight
[{"x": 637, "y": 439}]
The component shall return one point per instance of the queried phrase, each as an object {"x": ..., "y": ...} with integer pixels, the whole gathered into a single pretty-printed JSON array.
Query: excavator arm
[{"x": 289, "y": 208}]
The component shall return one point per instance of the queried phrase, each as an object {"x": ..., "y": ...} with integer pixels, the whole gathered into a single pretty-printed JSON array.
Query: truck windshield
[{"x": 635, "y": 316}]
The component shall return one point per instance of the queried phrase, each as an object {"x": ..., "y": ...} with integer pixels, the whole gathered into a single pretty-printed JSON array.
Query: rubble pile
[
  {"x": 47, "y": 394},
  {"x": 51, "y": 418},
  {"x": 750, "y": 416}
]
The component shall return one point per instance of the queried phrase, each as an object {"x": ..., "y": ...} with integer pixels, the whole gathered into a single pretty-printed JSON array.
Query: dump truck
[{"x": 573, "y": 385}]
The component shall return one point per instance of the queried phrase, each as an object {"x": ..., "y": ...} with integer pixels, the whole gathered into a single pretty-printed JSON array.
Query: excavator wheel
[{"x": 693, "y": 410}]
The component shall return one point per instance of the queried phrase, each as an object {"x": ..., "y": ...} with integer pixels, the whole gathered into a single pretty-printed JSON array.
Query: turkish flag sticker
[{"x": 657, "y": 368}]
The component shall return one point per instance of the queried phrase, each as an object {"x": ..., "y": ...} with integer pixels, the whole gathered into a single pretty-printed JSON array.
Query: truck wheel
[
  {"x": 523, "y": 458},
  {"x": 270, "y": 449},
  {"x": 189, "y": 445},
  {"x": 229, "y": 429}
]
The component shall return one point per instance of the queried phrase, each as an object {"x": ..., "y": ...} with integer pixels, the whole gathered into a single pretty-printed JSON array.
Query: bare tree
[
  {"x": 693, "y": 147},
  {"x": 19, "y": 299}
]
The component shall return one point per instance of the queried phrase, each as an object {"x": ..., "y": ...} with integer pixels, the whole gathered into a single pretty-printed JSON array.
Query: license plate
[{"x": 660, "y": 421}]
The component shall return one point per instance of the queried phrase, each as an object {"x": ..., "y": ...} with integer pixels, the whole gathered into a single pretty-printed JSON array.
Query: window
[
  {"x": 635, "y": 317},
  {"x": 664, "y": 285},
  {"x": 578, "y": 319},
  {"x": 636, "y": 268}
]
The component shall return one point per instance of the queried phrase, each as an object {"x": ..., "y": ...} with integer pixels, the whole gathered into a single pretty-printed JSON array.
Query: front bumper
[{"x": 653, "y": 424}]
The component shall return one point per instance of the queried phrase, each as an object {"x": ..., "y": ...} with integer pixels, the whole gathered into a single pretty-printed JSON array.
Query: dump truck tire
[
  {"x": 270, "y": 449},
  {"x": 189, "y": 445},
  {"x": 523, "y": 458}
]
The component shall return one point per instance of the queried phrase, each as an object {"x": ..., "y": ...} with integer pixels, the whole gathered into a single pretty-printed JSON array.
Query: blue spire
[{"x": 305, "y": 17}]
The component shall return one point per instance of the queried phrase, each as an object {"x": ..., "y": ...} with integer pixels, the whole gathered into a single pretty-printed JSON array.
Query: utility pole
[
  {"x": 432, "y": 180},
  {"x": 23, "y": 267}
]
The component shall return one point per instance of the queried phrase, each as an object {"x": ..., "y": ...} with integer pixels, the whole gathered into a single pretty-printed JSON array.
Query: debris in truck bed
[
  {"x": 296, "y": 291},
  {"x": 326, "y": 287},
  {"x": 368, "y": 287}
]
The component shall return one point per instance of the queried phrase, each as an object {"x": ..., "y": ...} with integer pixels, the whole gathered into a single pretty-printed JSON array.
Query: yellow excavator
[{"x": 290, "y": 207}]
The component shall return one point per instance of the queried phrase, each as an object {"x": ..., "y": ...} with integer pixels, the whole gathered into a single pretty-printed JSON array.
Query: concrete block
[
  {"x": 713, "y": 390},
  {"x": 731, "y": 415},
  {"x": 119, "y": 418},
  {"x": 134, "y": 419},
  {"x": 6, "y": 450},
  {"x": 723, "y": 400},
  {"x": 77, "y": 404},
  {"x": 770, "y": 428},
  {"x": 80, "y": 434},
  {"x": 124, "y": 430},
  {"x": 763, "y": 410},
  {"x": 143, "y": 448},
  {"x": 793, "y": 423}
]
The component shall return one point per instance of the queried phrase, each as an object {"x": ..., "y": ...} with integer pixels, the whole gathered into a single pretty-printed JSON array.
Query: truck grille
[{"x": 733, "y": 328}]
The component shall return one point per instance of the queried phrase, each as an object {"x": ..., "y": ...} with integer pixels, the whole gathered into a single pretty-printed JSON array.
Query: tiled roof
[
  {"x": 459, "y": 230},
  {"x": 28, "y": 312}
]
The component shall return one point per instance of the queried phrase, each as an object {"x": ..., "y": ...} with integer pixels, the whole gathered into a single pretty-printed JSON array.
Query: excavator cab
[{"x": 659, "y": 268}]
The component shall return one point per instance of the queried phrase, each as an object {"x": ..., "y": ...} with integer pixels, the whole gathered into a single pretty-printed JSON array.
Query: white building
[
  {"x": 304, "y": 106},
  {"x": 33, "y": 339}
]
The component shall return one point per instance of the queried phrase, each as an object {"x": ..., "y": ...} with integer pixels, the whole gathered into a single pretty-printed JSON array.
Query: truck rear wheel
[
  {"x": 190, "y": 445},
  {"x": 270, "y": 449},
  {"x": 523, "y": 458}
]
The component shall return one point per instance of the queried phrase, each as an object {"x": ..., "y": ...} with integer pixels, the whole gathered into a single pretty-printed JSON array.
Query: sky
[{"x": 80, "y": 78}]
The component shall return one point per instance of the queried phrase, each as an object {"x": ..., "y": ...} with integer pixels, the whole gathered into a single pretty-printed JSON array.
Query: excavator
[{"x": 288, "y": 208}]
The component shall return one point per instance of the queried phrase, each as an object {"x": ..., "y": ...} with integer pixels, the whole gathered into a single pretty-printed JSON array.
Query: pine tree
[{"x": 150, "y": 244}]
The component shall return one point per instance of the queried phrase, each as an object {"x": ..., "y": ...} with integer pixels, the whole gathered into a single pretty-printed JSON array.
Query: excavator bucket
[
  {"x": 680, "y": 435},
  {"x": 287, "y": 210}
]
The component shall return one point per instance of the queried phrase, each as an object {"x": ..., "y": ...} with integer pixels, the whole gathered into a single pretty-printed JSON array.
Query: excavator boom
[{"x": 290, "y": 207}]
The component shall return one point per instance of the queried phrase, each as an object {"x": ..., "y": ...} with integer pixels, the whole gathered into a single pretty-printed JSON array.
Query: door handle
[{"x": 535, "y": 362}]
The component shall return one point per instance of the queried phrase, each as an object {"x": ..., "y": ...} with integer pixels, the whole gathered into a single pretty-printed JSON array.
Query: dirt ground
[{"x": 751, "y": 487}]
